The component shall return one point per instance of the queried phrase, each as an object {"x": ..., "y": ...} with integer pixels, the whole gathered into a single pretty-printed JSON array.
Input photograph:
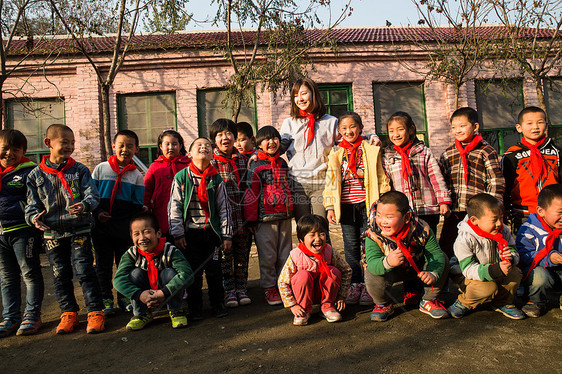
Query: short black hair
[
  {"x": 396, "y": 198},
  {"x": 477, "y": 205},
  {"x": 311, "y": 223},
  {"x": 354, "y": 116},
  {"x": 266, "y": 133},
  {"x": 196, "y": 139},
  {"x": 530, "y": 109},
  {"x": 470, "y": 114},
  {"x": 549, "y": 193},
  {"x": 128, "y": 134},
  {"x": 146, "y": 216},
  {"x": 14, "y": 138},
  {"x": 222, "y": 124},
  {"x": 176, "y": 135},
  {"x": 56, "y": 129},
  {"x": 245, "y": 128}
]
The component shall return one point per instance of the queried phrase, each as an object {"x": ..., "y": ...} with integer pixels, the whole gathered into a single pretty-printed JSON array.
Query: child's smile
[
  {"x": 225, "y": 141},
  {"x": 315, "y": 241},
  {"x": 270, "y": 146},
  {"x": 398, "y": 133},
  {"x": 349, "y": 130}
]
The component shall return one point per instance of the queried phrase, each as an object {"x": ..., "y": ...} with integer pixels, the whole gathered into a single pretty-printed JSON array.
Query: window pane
[
  {"x": 393, "y": 97},
  {"x": 33, "y": 117},
  {"x": 553, "y": 96},
  {"x": 210, "y": 107},
  {"x": 499, "y": 103},
  {"x": 338, "y": 99}
]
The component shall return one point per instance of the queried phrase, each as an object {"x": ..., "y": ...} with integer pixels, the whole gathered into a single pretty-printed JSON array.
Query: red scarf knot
[
  {"x": 404, "y": 153},
  {"x": 538, "y": 165},
  {"x": 117, "y": 186},
  {"x": 202, "y": 190},
  {"x": 398, "y": 238},
  {"x": 553, "y": 234},
  {"x": 309, "y": 131},
  {"x": 219, "y": 156},
  {"x": 465, "y": 150},
  {"x": 172, "y": 163},
  {"x": 498, "y": 238},
  {"x": 152, "y": 269},
  {"x": 352, "y": 149},
  {"x": 59, "y": 173},
  {"x": 274, "y": 162},
  {"x": 11, "y": 168}
]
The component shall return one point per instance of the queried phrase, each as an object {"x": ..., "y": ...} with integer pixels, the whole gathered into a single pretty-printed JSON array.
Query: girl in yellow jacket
[{"x": 354, "y": 180}]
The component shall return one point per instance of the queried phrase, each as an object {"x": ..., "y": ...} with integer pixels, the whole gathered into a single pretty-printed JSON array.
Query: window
[
  {"x": 499, "y": 103},
  {"x": 553, "y": 99},
  {"x": 32, "y": 117},
  {"x": 211, "y": 106},
  {"x": 338, "y": 98},
  {"x": 147, "y": 114},
  {"x": 407, "y": 97}
]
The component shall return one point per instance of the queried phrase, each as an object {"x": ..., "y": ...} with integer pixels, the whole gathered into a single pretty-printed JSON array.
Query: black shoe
[
  {"x": 195, "y": 314},
  {"x": 219, "y": 310},
  {"x": 533, "y": 310}
]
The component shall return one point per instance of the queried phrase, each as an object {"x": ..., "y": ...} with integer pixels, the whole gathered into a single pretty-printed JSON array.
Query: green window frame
[
  {"x": 338, "y": 98},
  {"x": 32, "y": 117},
  {"x": 211, "y": 106},
  {"x": 553, "y": 99},
  {"x": 499, "y": 102},
  {"x": 409, "y": 97},
  {"x": 148, "y": 114}
]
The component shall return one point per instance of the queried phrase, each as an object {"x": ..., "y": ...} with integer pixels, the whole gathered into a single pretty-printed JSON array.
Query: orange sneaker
[
  {"x": 68, "y": 321},
  {"x": 96, "y": 322}
]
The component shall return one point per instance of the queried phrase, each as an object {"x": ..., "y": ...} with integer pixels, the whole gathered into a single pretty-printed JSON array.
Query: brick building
[{"x": 175, "y": 81}]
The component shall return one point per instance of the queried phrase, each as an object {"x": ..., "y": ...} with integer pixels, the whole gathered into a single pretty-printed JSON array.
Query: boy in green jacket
[
  {"x": 400, "y": 247},
  {"x": 151, "y": 273}
]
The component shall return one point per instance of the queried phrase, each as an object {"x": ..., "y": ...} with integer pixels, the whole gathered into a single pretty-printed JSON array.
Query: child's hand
[
  {"x": 556, "y": 258},
  {"x": 395, "y": 258},
  {"x": 331, "y": 216},
  {"x": 226, "y": 245},
  {"x": 427, "y": 278},
  {"x": 505, "y": 266},
  {"x": 145, "y": 296},
  {"x": 38, "y": 223},
  {"x": 507, "y": 255},
  {"x": 340, "y": 305},
  {"x": 156, "y": 299},
  {"x": 375, "y": 140},
  {"x": 298, "y": 311},
  {"x": 104, "y": 217},
  {"x": 444, "y": 210},
  {"x": 76, "y": 208}
]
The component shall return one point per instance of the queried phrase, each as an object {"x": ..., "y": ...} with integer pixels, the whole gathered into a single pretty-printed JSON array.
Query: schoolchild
[{"x": 245, "y": 140}]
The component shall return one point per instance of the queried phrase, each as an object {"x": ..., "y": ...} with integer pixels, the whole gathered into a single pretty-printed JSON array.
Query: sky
[{"x": 365, "y": 13}]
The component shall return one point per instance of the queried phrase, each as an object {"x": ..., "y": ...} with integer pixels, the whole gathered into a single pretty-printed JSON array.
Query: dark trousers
[
  {"x": 70, "y": 253},
  {"x": 450, "y": 231},
  {"x": 140, "y": 278},
  {"x": 353, "y": 223},
  {"x": 203, "y": 254},
  {"x": 432, "y": 220}
]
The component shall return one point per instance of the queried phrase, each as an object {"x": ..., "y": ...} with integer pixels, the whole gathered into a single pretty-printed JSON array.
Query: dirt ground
[{"x": 260, "y": 339}]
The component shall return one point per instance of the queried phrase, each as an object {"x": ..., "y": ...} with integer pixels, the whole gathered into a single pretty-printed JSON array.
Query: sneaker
[
  {"x": 365, "y": 298},
  {"x": 354, "y": 294},
  {"x": 381, "y": 312},
  {"x": 272, "y": 296},
  {"x": 411, "y": 298},
  {"x": 124, "y": 303},
  {"x": 533, "y": 310},
  {"x": 8, "y": 327},
  {"x": 30, "y": 325},
  {"x": 457, "y": 310},
  {"x": 96, "y": 322},
  {"x": 434, "y": 308},
  {"x": 179, "y": 320},
  {"x": 108, "y": 308},
  {"x": 230, "y": 299},
  {"x": 139, "y": 322},
  {"x": 510, "y": 311},
  {"x": 301, "y": 321},
  {"x": 68, "y": 321},
  {"x": 219, "y": 310},
  {"x": 332, "y": 315},
  {"x": 243, "y": 298}
]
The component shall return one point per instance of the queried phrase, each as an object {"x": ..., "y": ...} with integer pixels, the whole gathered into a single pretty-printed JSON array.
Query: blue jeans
[
  {"x": 353, "y": 223},
  {"x": 70, "y": 253},
  {"x": 540, "y": 281},
  {"x": 19, "y": 253},
  {"x": 140, "y": 278}
]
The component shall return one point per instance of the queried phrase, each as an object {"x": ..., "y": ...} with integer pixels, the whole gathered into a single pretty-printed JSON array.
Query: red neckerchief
[
  {"x": 538, "y": 165},
  {"x": 232, "y": 161},
  {"x": 152, "y": 269},
  {"x": 548, "y": 245},
  {"x": 10, "y": 168},
  {"x": 398, "y": 237},
  {"x": 352, "y": 148},
  {"x": 323, "y": 268},
  {"x": 498, "y": 238},
  {"x": 404, "y": 153},
  {"x": 275, "y": 168},
  {"x": 202, "y": 190},
  {"x": 464, "y": 151},
  {"x": 117, "y": 186},
  {"x": 309, "y": 131},
  {"x": 59, "y": 173},
  {"x": 172, "y": 163},
  {"x": 248, "y": 153}
]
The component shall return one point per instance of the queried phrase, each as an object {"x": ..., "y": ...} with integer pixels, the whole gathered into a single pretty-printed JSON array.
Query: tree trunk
[
  {"x": 457, "y": 94},
  {"x": 106, "y": 122},
  {"x": 236, "y": 110},
  {"x": 540, "y": 93},
  {"x": 3, "y": 118}
]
